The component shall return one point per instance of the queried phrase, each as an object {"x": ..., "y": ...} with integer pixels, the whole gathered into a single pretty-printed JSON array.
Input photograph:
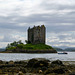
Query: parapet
[{"x": 42, "y": 26}]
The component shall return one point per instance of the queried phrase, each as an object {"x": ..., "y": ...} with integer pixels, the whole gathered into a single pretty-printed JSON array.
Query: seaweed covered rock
[
  {"x": 1, "y": 62},
  {"x": 11, "y": 62},
  {"x": 31, "y": 62},
  {"x": 58, "y": 70},
  {"x": 20, "y": 62},
  {"x": 38, "y": 66},
  {"x": 72, "y": 73},
  {"x": 40, "y": 63},
  {"x": 35, "y": 63},
  {"x": 20, "y": 73},
  {"x": 57, "y": 62}
]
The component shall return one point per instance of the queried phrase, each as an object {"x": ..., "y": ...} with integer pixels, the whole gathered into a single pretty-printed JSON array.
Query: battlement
[
  {"x": 36, "y": 27},
  {"x": 36, "y": 34}
]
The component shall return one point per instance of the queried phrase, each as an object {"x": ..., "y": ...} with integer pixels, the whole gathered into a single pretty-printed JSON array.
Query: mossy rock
[
  {"x": 57, "y": 62},
  {"x": 35, "y": 63},
  {"x": 57, "y": 70},
  {"x": 1, "y": 62},
  {"x": 31, "y": 62},
  {"x": 41, "y": 64}
]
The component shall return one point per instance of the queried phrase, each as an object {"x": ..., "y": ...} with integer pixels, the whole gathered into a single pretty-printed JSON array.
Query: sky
[{"x": 58, "y": 16}]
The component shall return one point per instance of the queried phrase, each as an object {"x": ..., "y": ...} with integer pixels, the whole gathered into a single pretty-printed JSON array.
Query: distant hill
[
  {"x": 2, "y": 49},
  {"x": 70, "y": 49},
  {"x": 66, "y": 49},
  {"x": 58, "y": 49}
]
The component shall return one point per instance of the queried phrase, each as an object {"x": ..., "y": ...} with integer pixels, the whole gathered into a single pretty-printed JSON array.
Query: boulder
[
  {"x": 11, "y": 62},
  {"x": 40, "y": 71},
  {"x": 1, "y": 62},
  {"x": 58, "y": 70},
  {"x": 57, "y": 62},
  {"x": 35, "y": 63},
  {"x": 73, "y": 73},
  {"x": 23, "y": 69},
  {"x": 20, "y": 62},
  {"x": 41, "y": 64},
  {"x": 20, "y": 73},
  {"x": 31, "y": 62}
]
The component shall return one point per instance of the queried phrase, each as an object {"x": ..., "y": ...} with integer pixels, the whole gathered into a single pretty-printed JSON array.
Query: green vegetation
[
  {"x": 37, "y": 46},
  {"x": 14, "y": 45},
  {"x": 19, "y": 45}
]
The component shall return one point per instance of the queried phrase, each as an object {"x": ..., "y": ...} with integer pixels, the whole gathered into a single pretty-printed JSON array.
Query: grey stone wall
[{"x": 37, "y": 34}]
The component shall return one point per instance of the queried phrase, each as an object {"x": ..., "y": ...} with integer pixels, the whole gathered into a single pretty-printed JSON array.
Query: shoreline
[
  {"x": 30, "y": 51},
  {"x": 37, "y": 66}
]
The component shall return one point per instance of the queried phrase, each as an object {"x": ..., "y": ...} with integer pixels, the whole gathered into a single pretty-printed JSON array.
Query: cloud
[
  {"x": 64, "y": 39},
  {"x": 3, "y": 44},
  {"x": 58, "y": 17}
]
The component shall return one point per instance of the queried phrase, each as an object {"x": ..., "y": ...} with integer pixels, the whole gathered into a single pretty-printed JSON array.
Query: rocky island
[{"x": 34, "y": 44}]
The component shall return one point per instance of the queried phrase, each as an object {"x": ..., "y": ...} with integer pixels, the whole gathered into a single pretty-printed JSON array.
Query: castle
[{"x": 36, "y": 35}]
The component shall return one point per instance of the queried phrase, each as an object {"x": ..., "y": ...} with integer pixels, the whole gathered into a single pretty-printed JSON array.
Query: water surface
[{"x": 24, "y": 56}]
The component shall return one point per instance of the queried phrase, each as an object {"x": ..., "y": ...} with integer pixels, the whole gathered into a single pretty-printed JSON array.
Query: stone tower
[{"x": 36, "y": 35}]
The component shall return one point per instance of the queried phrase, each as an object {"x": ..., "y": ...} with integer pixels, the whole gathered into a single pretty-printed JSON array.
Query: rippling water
[{"x": 24, "y": 56}]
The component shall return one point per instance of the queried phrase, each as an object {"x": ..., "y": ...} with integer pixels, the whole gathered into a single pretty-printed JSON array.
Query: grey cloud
[
  {"x": 62, "y": 36},
  {"x": 62, "y": 7},
  {"x": 52, "y": 21},
  {"x": 49, "y": 20},
  {"x": 7, "y": 38},
  {"x": 56, "y": 6},
  {"x": 59, "y": 29},
  {"x": 21, "y": 0}
]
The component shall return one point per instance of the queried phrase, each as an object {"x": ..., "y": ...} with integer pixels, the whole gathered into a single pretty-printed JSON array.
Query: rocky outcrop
[
  {"x": 34, "y": 51},
  {"x": 36, "y": 66},
  {"x": 37, "y": 63}
]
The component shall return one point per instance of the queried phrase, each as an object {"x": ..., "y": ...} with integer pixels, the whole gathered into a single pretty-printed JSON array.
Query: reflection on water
[{"x": 24, "y": 56}]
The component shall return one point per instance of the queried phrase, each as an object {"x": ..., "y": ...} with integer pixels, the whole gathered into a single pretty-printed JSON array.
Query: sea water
[{"x": 25, "y": 56}]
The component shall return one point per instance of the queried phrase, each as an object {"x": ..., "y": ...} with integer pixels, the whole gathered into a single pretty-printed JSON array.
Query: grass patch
[
  {"x": 37, "y": 46},
  {"x": 30, "y": 47}
]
